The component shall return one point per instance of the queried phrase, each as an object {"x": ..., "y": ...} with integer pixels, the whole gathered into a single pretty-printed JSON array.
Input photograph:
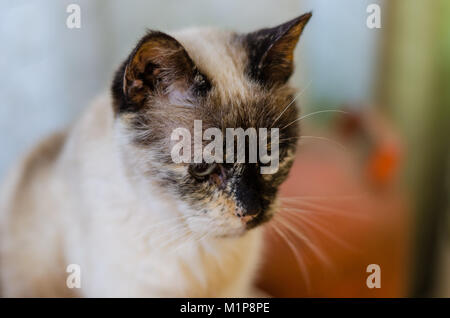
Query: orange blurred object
[{"x": 382, "y": 165}]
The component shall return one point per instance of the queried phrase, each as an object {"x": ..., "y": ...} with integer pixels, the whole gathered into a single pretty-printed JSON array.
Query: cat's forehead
[
  {"x": 236, "y": 99},
  {"x": 221, "y": 57}
]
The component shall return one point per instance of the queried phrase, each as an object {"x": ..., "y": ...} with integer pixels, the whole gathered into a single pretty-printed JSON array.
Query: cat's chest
[{"x": 185, "y": 268}]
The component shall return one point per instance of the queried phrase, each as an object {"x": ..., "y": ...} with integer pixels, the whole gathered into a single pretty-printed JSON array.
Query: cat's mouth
[
  {"x": 252, "y": 218},
  {"x": 258, "y": 220},
  {"x": 244, "y": 224},
  {"x": 249, "y": 223}
]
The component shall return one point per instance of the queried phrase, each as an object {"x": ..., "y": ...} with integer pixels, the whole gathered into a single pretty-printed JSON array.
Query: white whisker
[
  {"x": 324, "y": 209},
  {"x": 315, "y": 113},
  {"x": 296, "y": 96},
  {"x": 166, "y": 222},
  {"x": 313, "y": 247},
  {"x": 334, "y": 142},
  {"x": 322, "y": 197},
  {"x": 325, "y": 231},
  {"x": 300, "y": 262}
]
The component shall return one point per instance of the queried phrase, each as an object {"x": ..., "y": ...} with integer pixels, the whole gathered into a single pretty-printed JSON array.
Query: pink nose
[{"x": 245, "y": 218}]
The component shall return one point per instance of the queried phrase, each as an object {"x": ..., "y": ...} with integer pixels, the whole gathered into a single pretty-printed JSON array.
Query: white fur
[
  {"x": 93, "y": 206},
  {"x": 84, "y": 209}
]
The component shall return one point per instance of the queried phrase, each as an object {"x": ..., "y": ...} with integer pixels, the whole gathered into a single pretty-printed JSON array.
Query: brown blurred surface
[{"x": 345, "y": 224}]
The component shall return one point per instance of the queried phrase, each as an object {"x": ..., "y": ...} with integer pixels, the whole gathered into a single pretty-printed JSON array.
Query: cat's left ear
[
  {"x": 159, "y": 65},
  {"x": 271, "y": 51}
]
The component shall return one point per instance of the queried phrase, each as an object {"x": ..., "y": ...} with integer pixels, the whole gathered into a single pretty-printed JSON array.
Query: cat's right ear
[
  {"x": 159, "y": 65},
  {"x": 271, "y": 51}
]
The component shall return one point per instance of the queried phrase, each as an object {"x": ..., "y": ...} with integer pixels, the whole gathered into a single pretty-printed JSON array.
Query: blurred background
[{"x": 372, "y": 181}]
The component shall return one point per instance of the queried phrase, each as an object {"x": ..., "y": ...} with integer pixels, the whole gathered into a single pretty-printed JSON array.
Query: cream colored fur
[
  {"x": 80, "y": 208},
  {"x": 72, "y": 200}
]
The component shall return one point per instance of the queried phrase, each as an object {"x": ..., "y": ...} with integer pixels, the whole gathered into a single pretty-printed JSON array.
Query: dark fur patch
[
  {"x": 157, "y": 62},
  {"x": 271, "y": 51}
]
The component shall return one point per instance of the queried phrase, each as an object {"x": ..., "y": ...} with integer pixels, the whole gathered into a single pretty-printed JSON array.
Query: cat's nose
[
  {"x": 248, "y": 214},
  {"x": 249, "y": 192},
  {"x": 247, "y": 218}
]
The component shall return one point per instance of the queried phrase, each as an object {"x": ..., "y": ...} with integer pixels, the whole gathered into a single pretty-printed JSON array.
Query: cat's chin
[
  {"x": 233, "y": 234},
  {"x": 239, "y": 232}
]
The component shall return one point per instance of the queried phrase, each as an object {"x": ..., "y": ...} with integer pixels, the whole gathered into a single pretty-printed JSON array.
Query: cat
[{"x": 106, "y": 195}]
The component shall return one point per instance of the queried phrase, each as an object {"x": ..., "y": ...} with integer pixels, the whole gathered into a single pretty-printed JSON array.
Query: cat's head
[{"x": 225, "y": 80}]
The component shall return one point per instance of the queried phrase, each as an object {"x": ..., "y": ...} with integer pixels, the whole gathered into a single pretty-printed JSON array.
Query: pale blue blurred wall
[{"x": 49, "y": 72}]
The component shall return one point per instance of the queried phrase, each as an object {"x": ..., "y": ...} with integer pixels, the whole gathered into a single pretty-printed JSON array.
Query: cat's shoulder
[{"x": 36, "y": 160}]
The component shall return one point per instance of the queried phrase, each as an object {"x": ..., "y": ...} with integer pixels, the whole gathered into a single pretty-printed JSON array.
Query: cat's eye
[{"x": 202, "y": 170}]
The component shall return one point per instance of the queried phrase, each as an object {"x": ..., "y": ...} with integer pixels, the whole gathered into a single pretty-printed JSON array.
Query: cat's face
[{"x": 225, "y": 80}]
